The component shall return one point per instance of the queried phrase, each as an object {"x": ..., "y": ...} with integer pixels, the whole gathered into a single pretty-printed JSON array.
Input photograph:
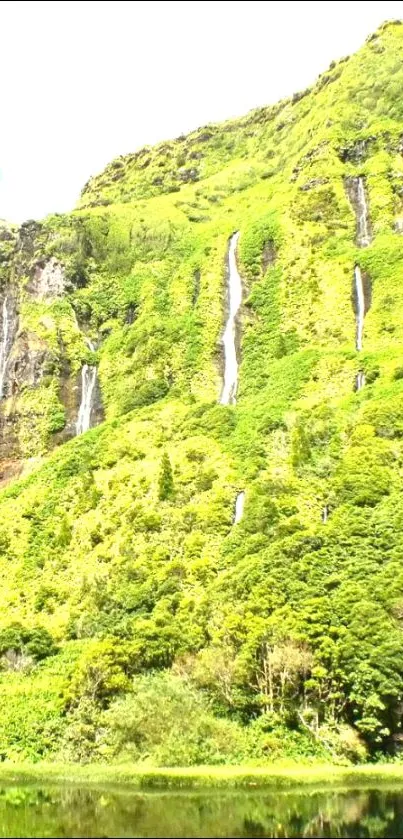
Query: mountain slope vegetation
[{"x": 125, "y": 585}]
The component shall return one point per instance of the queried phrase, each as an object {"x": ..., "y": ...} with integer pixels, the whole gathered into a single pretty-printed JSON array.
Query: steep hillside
[{"x": 118, "y": 543}]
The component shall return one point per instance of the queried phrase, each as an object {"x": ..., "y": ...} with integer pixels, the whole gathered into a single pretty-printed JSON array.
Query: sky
[{"x": 82, "y": 82}]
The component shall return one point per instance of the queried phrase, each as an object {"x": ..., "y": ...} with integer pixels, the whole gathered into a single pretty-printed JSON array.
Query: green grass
[{"x": 199, "y": 777}]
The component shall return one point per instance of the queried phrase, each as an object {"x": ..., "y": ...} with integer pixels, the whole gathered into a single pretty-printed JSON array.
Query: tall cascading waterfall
[
  {"x": 359, "y": 380},
  {"x": 355, "y": 187},
  {"x": 359, "y": 291},
  {"x": 239, "y": 505},
  {"x": 228, "y": 395},
  {"x": 88, "y": 382},
  {"x": 5, "y": 344},
  {"x": 363, "y": 232}
]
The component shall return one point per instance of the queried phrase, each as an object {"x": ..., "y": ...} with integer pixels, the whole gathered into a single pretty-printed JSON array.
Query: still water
[{"x": 28, "y": 811}]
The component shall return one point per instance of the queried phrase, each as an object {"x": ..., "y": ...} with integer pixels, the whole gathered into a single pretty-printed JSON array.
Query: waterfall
[
  {"x": 325, "y": 514},
  {"x": 363, "y": 234},
  {"x": 4, "y": 345},
  {"x": 239, "y": 505},
  {"x": 355, "y": 187},
  {"x": 88, "y": 381},
  {"x": 359, "y": 380},
  {"x": 359, "y": 289},
  {"x": 90, "y": 405},
  {"x": 228, "y": 395}
]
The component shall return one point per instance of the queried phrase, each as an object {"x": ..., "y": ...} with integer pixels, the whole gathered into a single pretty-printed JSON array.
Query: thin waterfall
[
  {"x": 239, "y": 505},
  {"x": 4, "y": 345},
  {"x": 228, "y": 396},
  {"x": 359, "y": 289},
  {"x": 88, "y": 382},
  {"x": 359, "y": 380},
  {"x": 363, "y": 234},
  {"x": 325, "y": 514},
  {"x": 355, "y": 187}
]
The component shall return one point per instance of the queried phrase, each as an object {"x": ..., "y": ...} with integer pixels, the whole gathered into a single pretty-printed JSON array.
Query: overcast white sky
[{"x": 82, "y": 82}]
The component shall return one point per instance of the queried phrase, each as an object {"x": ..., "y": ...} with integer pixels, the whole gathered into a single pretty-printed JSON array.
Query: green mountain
[{"x": 137, "y": 616}]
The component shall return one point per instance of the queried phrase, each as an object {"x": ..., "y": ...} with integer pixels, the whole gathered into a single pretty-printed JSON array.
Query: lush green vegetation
[{"x": 135, "y": 596}]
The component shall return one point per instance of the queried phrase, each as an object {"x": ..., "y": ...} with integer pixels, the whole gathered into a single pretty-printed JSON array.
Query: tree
[
  {"x": 36, "y": 642},
  {"x": 214, "y": 668},
  {"x": 166, "y": 480}
]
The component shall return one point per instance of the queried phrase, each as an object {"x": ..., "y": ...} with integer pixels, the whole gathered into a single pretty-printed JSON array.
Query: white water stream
[
  {"x": 363, "y": 234},
  {"x": 360, "y": 380},
  {"x": 239, "y": 505},
  {"x": 88, "y": 381},
  {"x": 359, "y": 289},
  {"x": 228, "y": 396},
  {"x": 363, "y": 240}
]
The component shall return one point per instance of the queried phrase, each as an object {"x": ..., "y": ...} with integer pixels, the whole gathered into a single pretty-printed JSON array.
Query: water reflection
[{"x": 31, "y": 811}]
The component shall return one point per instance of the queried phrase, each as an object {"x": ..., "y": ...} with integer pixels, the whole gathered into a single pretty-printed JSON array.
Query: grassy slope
[{"x": 87, "y": 547}]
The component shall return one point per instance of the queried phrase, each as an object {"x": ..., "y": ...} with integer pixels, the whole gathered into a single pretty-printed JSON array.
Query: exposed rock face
[
  {"x": 8, "y": 331},
  {"x": 356, "y": 152},
  {"x": 312, "y": 183},
  {"x": 30, "y": 360},
  {"x": 10, "y": 459},
  {"x": 9, "y": 469},
  {"x": 130, "y": 314},
  {"x": 40, "y": 383},
  {"x": 28, "y": 235},
  {"x": 48, "y": 281},
  {"x": 70, "y": 398}
]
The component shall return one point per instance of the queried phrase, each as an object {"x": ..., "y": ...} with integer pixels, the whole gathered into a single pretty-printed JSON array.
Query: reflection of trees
[
  {"x": 337, "y": 815},
  {"x": 32, "y": 811}
]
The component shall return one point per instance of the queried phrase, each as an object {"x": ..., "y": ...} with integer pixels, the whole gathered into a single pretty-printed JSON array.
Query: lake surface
[{"x": 27, "y": 811}]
